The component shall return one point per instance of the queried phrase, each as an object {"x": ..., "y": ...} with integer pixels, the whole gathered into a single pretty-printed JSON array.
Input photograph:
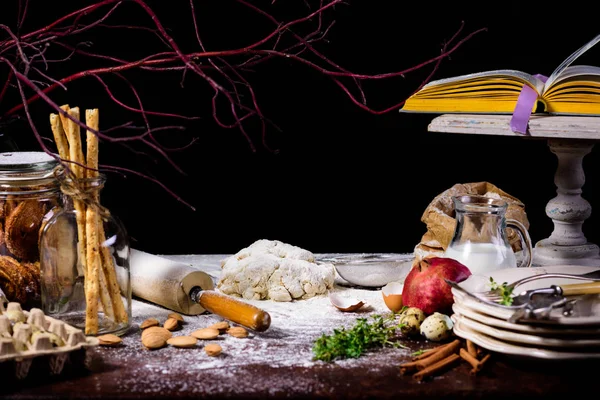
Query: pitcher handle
[{"x": 525, "y": 241}]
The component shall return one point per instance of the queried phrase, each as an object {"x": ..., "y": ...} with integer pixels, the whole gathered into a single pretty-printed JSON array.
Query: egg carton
[{"x": 30, "y": 338}]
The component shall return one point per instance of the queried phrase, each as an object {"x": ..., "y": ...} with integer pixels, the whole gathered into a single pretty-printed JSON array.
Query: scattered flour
[{"x": 275, "y": 362}]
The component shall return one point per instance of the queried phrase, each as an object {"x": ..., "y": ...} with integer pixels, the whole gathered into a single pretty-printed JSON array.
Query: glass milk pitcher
[{"x": 480, "y": 241}]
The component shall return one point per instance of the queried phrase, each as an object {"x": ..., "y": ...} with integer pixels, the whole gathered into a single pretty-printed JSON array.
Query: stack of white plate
[{"x": 559, "y": 336}]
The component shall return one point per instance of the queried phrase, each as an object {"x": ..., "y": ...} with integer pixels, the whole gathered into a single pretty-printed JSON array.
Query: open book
[{"x": 573, "y": 90}]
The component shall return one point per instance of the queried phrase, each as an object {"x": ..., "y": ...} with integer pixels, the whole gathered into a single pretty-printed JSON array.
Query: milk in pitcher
[{"x": 482, "y": 258}]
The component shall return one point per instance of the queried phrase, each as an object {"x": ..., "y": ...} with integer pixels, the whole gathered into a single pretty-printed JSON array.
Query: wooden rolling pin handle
[
  {"x": 580, "y": 288},
  {"x": 232, "y": 309}
]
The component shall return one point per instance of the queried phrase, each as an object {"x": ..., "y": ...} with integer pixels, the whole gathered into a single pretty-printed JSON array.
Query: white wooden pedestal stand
[{"x": 570, "y": 138}]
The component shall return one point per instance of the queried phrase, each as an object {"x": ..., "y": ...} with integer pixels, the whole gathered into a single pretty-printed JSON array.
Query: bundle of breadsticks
[{"x": 101, "y": 286}]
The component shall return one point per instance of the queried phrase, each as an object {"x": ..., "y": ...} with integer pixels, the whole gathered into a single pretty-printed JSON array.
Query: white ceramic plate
[
  {"x": 493, "y": 344},
  {"x": 543, "y": 330},
  {"x": 527, "y": 339},
  {"x": 587, "y": 315}
]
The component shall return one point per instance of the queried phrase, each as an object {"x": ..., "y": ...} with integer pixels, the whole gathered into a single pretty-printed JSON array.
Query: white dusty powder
[{"x": 273, "y": 362}]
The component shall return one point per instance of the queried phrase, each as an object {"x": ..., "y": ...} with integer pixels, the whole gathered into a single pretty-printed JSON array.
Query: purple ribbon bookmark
[{"x": 527, "y": 99}]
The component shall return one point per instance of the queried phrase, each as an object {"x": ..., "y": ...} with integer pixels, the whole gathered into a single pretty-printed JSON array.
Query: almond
[
  {"x": 155, "y": 337},
  {"x": 176, "y": 316},
  {"x": 171, "y": 324},
  {"x": 109, "y": 340},
  {"x": 182, "y": 341},
  {"x": 213, "y": 349},
  {"x": 238, "y": 332},
  {"x": 157, "y": 330},
  {"x": 149, "y": 322},
  {"x": 205, "y": 333},
  {"x": 221, "y": 326},
  {"x": 153, "y": 341}
]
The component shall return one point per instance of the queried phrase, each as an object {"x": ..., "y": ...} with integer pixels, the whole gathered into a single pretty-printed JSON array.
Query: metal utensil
[
  {"x": 482, "y": 300},
  {"x": 535, "y": 304},
  {"x": 495, "y": 294},
  {"x": 539, "y": 307},
  {"x": 557, "y": 290}
]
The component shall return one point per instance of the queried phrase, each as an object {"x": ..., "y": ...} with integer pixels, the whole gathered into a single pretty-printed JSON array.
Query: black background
[{"x": 340, "y": 179}]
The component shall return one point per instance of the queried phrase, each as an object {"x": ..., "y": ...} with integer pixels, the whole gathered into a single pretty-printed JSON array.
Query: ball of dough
[{"x": 270, "y": 269}]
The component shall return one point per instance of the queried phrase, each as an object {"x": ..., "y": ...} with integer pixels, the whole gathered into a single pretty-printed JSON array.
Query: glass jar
[
  {"x": 84, "y": 261},
  {"x": 29, "y": 196}
]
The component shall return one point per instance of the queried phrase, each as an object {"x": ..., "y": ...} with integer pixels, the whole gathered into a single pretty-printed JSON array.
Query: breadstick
[
  {"x": 110, "y": 285},
  {"x": 92, "y": 279},
  {"x": 113, "y": 286},
  {"x": 91, "y": 287},
  {"x": 73, "y": 133},
  {"x": 59, "y": 136},
  {"x": 91, "y": 120},
  {"x": 76, "y": 154},
  {"x": 105, "y": 299},
  {"x": 93, "y": 259}
]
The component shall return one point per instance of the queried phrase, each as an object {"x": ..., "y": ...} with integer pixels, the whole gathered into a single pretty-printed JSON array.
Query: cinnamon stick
[
  {"x": 480, "y": 364},
  {"x": 429, "y": 353},
  {"x": 468, "y": 357},
  {"x": 442, "y": 353},
  {"x": 471, "y": 348},
  {"x": 437, "y": 367}
]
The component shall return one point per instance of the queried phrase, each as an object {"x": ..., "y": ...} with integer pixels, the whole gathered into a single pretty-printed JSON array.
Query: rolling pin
[{"x": 182, "y": 288}]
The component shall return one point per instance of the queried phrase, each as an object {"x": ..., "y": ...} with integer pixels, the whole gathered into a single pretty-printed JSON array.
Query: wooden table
[
  {"x": 570, "y": 139},
  {"x": 276, "y": 364}
]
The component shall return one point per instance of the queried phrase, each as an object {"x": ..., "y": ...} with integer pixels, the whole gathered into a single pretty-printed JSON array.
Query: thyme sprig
[
  {"x": 505, "y": 292},
  {"x": 354, "y": 341}
]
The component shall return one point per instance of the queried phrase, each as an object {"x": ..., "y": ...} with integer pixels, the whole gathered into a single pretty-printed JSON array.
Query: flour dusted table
[
  {"x": 570, "y": 139},
  {"x": 277, "y": 364}
]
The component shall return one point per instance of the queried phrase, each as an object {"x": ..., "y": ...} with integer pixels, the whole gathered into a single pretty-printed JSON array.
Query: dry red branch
[{"x": 235, "y": 104}]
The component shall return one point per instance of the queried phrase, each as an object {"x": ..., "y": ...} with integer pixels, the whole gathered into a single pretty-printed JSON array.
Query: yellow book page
[
  {"x": 462, "y": 105},
  {"x": 473, "y": 91},
  {"x": 472, "y": 85},
  {"x": 480, "y": 95},
  {"x": 573, "y": 97},
  {"x": 590, "y": 87},
  {"x": 573, "y": 107}
]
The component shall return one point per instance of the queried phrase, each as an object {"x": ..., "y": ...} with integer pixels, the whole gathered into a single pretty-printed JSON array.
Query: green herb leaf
[
  {"x": 353, "y": 342},
  {"x": 505, "y": 292}
]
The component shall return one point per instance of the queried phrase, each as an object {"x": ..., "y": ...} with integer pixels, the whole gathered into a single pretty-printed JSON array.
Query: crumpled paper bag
[{"x": 439, "y": 217}]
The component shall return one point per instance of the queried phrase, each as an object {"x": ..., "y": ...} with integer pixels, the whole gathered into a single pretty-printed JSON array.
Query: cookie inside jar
[{"x": 29, "y": 196}]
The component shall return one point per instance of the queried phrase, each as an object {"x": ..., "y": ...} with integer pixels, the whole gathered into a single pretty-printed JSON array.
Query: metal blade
[{"x": 538, "y": 308}]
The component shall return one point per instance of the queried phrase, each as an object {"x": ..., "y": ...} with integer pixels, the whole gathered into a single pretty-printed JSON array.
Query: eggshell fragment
[
  {"x": 392, "y": 296},
  {"x": 345, "y": 303}
]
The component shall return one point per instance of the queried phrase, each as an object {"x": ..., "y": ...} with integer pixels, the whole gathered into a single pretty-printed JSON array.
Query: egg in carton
[{"x": 28, "y": 336}]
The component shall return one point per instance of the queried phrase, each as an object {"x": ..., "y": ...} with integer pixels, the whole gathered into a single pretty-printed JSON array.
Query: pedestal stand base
[{"x": 546, "y": 253}]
